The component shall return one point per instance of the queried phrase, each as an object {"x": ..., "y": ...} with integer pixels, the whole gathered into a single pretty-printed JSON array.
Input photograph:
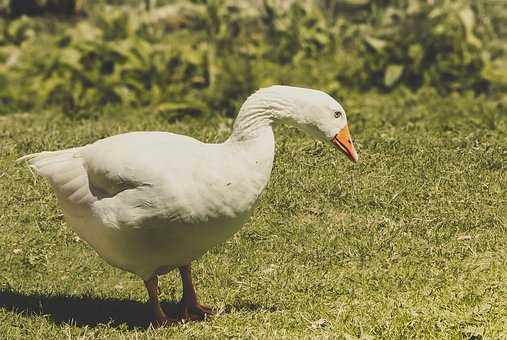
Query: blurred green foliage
[{"x": 189, "y": 57}]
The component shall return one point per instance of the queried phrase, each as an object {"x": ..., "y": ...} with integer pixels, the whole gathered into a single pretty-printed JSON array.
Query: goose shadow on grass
[{"x": 93, "y": 311}]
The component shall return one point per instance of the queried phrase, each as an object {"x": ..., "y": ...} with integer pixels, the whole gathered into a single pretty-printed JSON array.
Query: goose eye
[{"x": 337, "y": 114}]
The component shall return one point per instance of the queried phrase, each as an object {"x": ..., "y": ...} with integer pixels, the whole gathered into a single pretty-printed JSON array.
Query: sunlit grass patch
[{"x": 408, "y": 243}]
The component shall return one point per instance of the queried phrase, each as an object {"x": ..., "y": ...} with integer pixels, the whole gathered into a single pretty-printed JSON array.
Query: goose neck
[{"x": 258, "y": 114}]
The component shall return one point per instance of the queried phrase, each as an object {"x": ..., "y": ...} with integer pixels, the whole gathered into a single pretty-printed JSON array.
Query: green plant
[
  {"x": 426, "y": 45},
  {"x": 184, "y": 57}
]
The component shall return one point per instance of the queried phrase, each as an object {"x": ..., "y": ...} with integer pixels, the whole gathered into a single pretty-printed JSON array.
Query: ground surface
[{"x": 410, "y": 242}]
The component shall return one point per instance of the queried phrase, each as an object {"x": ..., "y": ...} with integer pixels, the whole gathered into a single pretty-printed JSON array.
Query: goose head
[{"x": 316, "y": 113}]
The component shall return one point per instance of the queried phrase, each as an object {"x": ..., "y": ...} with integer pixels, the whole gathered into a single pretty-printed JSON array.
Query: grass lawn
[{"x": 411, "y": 242}]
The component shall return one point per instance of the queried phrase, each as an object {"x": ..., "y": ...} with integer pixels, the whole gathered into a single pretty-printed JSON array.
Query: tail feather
[
  {"x": 65, "y": 171},
  {"x": 47, "y": 155}
]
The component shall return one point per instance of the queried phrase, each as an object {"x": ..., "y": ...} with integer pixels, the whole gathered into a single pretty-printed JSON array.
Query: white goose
[{"x": 149, "y": 202}]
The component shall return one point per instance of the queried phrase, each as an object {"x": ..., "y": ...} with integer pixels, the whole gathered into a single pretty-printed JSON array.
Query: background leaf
[{"x": 392, "y": 75}]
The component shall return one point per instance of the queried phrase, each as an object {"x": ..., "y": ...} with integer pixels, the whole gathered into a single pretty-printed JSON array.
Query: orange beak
[{"x": 343, "y": 141}]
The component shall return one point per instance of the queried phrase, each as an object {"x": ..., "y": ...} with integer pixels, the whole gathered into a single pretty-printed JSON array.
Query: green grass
[{"x": 408, "y": 243}]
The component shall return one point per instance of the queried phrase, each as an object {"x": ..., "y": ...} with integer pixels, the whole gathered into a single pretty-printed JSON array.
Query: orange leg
[
  {"x": 160, "y": 316},
  {"x": 189, "y": 308}
]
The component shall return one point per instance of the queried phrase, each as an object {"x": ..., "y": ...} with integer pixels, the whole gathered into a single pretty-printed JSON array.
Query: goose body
[{"x": 149, "y": 202}]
